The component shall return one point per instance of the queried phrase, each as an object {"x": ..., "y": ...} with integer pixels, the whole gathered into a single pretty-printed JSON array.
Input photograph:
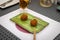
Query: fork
[{"x": 4, "y": 4}]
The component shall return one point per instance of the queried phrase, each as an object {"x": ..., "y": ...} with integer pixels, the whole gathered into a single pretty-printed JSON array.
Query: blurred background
[{"x": 49, "y": 8}]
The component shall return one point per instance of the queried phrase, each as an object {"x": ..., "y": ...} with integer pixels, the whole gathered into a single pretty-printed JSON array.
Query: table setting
[
  {"x": 7, "y": 3},
  {"x": 27, "y": 24}
]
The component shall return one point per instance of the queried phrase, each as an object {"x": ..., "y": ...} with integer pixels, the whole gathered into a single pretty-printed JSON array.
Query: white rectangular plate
[
  {"x": 9, "y": 4},
  {"x": 49, "y": 33}
]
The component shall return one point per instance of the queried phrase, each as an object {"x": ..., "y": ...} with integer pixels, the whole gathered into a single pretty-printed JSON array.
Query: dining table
[{"x": 50, "y": 12}]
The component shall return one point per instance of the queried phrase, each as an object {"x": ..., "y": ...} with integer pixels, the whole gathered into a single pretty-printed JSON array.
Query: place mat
[
  {"x": 49, "y": 33},
  {"x": 7, "y": 35}
]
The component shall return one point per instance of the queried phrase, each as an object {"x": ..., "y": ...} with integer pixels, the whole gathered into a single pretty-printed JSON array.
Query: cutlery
[
  {"x": 4, "y": 4},
  {"x": 34, "y": 34}
]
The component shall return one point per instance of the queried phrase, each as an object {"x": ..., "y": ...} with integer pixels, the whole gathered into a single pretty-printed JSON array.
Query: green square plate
[{"x": 26, "y": 24}]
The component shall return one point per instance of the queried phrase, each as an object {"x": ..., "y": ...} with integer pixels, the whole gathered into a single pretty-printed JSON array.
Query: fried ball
[
  {"x": 33, "y": 22},
  {"x": 24, "y": 17}
]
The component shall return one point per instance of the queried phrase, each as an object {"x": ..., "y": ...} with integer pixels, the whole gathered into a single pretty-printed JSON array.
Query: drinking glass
[
  {"x": 46, "y": 3},
  {"x": 23, "y": 4}
]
